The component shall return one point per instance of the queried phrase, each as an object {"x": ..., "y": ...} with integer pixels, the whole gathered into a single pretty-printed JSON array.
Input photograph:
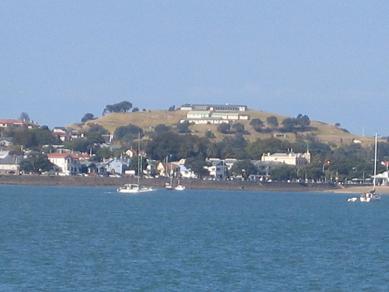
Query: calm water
[{"x": 93, "y": 239}]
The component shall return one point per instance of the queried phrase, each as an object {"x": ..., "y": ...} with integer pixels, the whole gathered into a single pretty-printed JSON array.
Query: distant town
[{"x": 221, "y": 152}]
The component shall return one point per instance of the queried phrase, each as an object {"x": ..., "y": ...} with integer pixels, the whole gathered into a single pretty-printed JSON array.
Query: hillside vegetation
[{"x": 322, "y": 132}]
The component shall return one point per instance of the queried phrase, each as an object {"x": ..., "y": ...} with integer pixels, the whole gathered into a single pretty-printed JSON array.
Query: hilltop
[{"x": 147, "y": 120}]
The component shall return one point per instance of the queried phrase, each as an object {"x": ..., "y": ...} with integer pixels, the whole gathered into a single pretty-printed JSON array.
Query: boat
[
  {"x": 135, "y": 188},
  {"x": 371, "y": 195},
  {"x": 179, "y": 188},
  {"x": 168, "y": 186}
]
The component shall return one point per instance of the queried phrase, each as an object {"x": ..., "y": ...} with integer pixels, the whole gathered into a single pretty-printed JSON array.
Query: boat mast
[
  {"x": 139, "y": 161},
  {"x": 375, "y": 160}
]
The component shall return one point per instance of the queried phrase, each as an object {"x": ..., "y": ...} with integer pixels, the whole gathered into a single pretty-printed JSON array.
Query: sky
[{"x": 327, "y": 59}]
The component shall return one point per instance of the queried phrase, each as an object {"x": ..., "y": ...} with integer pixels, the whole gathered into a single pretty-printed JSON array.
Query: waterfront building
[
  {"x": 291, "y": 158},
  {"x": 67, "y": 163},
  {"x": 9, "y": 163}
]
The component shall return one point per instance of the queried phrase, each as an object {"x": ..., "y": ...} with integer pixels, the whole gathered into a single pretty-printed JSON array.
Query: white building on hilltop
[{"x": 291, "y": 158}]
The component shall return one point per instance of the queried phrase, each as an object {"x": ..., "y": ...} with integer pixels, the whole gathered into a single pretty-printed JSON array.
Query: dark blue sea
[{"x": 94, "y": 239}]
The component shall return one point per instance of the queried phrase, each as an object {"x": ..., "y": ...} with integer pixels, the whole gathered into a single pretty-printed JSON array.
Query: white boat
[
  {"x": 135, "y": 188},
  {"x": 180, "y": 188},
  {"x": 168, "y": 186},
  {"x": 371, "y": 195}
]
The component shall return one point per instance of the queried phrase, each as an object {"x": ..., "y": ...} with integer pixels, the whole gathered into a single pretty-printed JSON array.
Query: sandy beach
[{"x": 384, "y": 190}]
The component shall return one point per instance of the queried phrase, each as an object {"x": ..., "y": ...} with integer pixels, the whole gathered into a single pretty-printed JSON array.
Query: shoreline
[{"x": 90, "y": 181}]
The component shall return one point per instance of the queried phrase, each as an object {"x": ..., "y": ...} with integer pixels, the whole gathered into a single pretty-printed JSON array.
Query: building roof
[
  {"x": 58, "y": 155},
  {"x": 6, "y": 158},
  {"x": 12, "y": 122}
]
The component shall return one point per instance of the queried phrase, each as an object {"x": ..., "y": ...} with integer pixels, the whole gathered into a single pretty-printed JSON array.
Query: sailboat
[
  {"x": 371, "y": 195},
  {"x": 135, "y": 188},
  {"x": 169, "y": 185},
  {"x": 179, "y": 187}
]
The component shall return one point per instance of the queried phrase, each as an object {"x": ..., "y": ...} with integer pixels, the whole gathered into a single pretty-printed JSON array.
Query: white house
[
  {"x": 291, "y": 158},
  {"x": 383, "y": 178},
  {"x": 67, "y": 163},
  {"x": 219, "y": 167}
]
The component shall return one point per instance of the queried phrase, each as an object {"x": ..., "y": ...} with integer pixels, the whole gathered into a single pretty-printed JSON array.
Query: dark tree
[
  {"x": 272, "y": 121},
  {"x": 135, "y": 110},
  {"x": 172, "y": 108},
  {"x": 36, "y": 162},
  {"x": 244, "y": 168},
  {"x": 289, "y": 124},
  {"x": 121, "y": 107},
  {"x": 283, "y": 172},
  {"x": 161, "y": 129},
  {"x": 24, "y": 117},
  {"x": 303, "y": 121},
  {"x": 238, "y": 128},
  {"x": 257, "y": 124},
  {"x": 210, "y": 135},
  {"x": 95, "y": 133},
  {"x": 197, "y": 166},
  {"x": 80, "y": 144},
  {"x": 87, "y": 117},
  {"x": 224, "y": 128},
  {"x": 33, "y": 138},
  {"x": 183, "y": 128},
  {"x": 127, "y": 133}
]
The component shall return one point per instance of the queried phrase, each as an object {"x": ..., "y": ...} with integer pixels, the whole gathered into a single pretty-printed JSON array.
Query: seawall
[{"x": 160, "y": 182}]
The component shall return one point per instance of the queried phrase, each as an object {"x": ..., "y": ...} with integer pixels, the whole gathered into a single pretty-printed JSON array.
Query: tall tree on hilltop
[
  {"x": 24, "y": 117},
  {"x": 272, "y": 121},
  {"x": 87, "y": 117},
  {"x": 121, "y": 107}
]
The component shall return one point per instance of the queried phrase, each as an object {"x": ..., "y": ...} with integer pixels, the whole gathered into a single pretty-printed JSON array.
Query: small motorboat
[{"x": 179, "y": 188}]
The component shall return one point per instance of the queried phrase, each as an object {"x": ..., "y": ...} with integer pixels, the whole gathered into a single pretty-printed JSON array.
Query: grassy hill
[{"x": 323, "y": 132}]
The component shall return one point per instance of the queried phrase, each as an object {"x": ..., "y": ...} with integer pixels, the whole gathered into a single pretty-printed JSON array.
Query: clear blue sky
[{"x": 328, "y": 59}]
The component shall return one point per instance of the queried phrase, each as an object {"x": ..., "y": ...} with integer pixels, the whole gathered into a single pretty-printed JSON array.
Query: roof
[
  {"x": 6, "y": 158},
  {"x": 58, "y": 155},
  {"x": 80, "y": 156},
  {"x": 12, "y": 122}
]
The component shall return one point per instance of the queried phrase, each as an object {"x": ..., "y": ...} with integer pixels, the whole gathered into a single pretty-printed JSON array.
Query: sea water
[{"x": 94, "y": 239}]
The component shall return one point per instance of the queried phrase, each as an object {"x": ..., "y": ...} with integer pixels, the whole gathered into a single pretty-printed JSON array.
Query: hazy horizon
[{"x": 60, "y": 60}]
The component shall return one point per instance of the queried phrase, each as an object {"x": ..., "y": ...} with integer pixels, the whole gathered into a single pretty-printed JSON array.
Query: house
[
  {"x": 117, "y": 165},
  {"x": 132, "y": 153},
  {"x": 67, "y": 163},
  {"x": 9, "y": 163},
  {"x": 61, "y": 133},
  {"x": 291, "y": 158},
  {"x": 167, "y": 169},
  {"x": 219, "y": 167},
  {"x": 383, "y": 178},
  {"x": 6, "y": 123}
]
